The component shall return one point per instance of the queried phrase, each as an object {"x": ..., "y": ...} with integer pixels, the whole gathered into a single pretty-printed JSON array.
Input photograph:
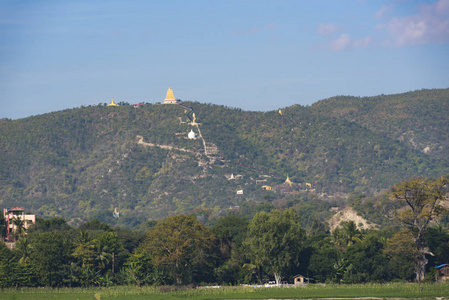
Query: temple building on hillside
[
  {"x": 112, "y": 103},
  {"x": 170, "y": 97}
]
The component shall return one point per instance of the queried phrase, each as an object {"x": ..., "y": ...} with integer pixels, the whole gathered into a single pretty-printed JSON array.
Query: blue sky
[{"x": 255, "y": 55}]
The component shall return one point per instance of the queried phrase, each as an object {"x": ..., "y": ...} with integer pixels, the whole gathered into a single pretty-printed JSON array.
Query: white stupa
[{"x": 191, "y": 135}]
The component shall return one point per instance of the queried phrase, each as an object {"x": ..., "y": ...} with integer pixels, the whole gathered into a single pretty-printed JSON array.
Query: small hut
[
  {"x": 442, "y": 272},
  {"x": 299, "y": 279}
]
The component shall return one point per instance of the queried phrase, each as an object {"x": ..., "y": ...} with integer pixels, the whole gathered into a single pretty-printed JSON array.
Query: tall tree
[
  {"x": 109, "y": 251},
  {"x": 365, "y": 259},
  {"x": 50, "y": 258},
  {"x": 23, "y": 248},
  {"x": 19, "y": 227},
  {"x": 322, "y": 258},
  {"x": 422, "y": 205},
  {"x": 230, "y": 230},
  {"x": 139, "y": 269},
  {"x": 2, "y": 226},
  {"x": 402, "y": 253},
  {"x": 84, "y": 249},
  {"x": 351, "y": 232},
  {"x": 182, "y": 245},
  {"x": 274, "y": 242},
  {"x": 6, "y": 262}
]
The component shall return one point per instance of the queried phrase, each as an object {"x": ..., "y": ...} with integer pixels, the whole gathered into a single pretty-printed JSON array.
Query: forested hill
[
  {"x": 418, "y": 119},
  {"x": 82, "y": 163}
]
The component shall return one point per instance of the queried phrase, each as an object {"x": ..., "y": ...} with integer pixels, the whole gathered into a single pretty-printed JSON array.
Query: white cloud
[
  {"x": 361, "y": 43},
  {"x": 341, "y": 43},
  {"x": 429, "y": 25},
  {"x": 327, "y": 29},
  {"x": 385, "y": 10},
  {"x": 345, "y": 41}
]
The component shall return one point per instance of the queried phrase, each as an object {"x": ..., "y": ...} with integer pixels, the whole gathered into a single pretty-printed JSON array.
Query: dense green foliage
[
  {"x": 82, "y": 163},
  {"x": 418, "y": 119},
  {"x": 182, "y": 248},
  {"x": 179, "y": 250},
  {"x": 422, "y": 200},
  {"x": 274, "y": 243}
]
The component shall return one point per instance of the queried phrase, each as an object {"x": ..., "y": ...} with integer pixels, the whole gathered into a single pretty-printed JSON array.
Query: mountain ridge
[{"x": 82, "y": 163}]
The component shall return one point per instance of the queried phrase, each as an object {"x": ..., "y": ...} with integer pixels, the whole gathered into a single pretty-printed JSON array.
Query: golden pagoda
[
  {"x": 288, "y": 181},
  {"x": 112, "y": 103},
  {"x": 170, "y": 97}
]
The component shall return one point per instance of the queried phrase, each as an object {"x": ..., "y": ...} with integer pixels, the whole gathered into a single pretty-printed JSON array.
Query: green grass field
[{"x": 390, "y": 290}]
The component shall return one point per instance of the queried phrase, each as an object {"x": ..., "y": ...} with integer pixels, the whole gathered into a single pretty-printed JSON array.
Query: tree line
[{"x": 272, "y": 245}]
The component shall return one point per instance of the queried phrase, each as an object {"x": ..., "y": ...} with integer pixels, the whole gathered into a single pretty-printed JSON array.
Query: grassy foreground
[{"x": 390, "y": 290}]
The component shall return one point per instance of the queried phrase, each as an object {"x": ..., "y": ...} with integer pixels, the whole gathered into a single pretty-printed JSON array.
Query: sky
[{"x": 255, "y": 55}]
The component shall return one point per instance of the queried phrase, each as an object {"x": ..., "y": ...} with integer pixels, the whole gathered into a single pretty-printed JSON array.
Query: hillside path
[{"x": 141, "y": 142}]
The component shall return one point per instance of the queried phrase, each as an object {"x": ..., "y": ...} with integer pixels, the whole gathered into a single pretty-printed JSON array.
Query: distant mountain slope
[
  {"x": 84, "y": 162},
  {"x": 419, "y": 119}
]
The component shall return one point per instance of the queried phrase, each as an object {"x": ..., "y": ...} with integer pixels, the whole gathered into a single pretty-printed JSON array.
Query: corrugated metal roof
[{"x": 437, "y": 267}]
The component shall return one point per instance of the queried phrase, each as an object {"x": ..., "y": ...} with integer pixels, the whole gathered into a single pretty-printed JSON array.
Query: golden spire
[
  {"x": 170, "y": 96},
  {"x": 288, "y": 181},
  {"x": 112, "y": 103}
]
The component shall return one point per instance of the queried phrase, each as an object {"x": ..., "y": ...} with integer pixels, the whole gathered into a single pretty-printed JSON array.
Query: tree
[
  {"x": 139, "y": 269},
  {"x": 50, "y": 258},
  {"x": 84, "y": 249},
  {"x": 322, "y": 258},
  {"x": 402, "y": 253},
  {"x": 19, "y": 227},
  {"x": 94, "y": 224},
  {"x": 53, "y": 224},
  {"x": 109, "y": 251},
  {"x": 230, "y": 230},
  {"x": 182, "y": 246},
  {"x": 422, "y": 199},
  {"x": 6, "y": 262},
  {"x": 366, "y": 261},
  {"x": 351, "y": 232},
  {"x": 318, "y": 227},
  {"x": 2, "y": 226},
  {"x": 274, "y": 242},
  {"x": 23, "y": 248},
  {"x": 438, "y": 240}
]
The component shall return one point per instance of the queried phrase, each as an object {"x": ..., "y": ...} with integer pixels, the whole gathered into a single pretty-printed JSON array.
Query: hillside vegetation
[
  {"x": 419, "y": 119},
  {"x": 82, "y": 163}
]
